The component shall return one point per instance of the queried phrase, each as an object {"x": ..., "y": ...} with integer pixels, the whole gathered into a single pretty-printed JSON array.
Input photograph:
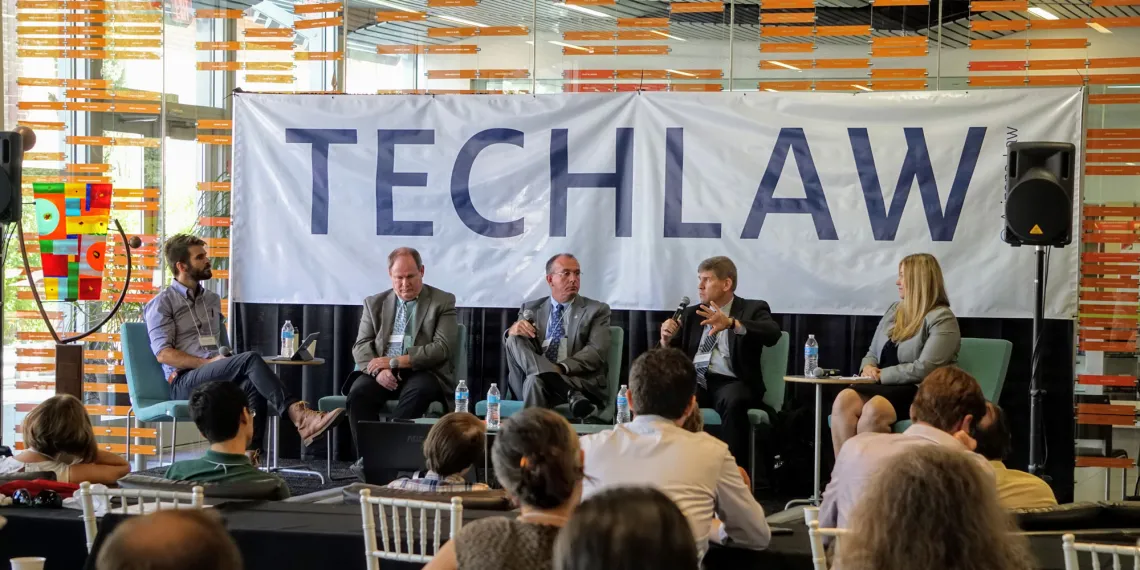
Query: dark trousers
[
  {"x": 731, "y": 398},
  {"x": 261, "y": 386},
  {"x": 416, "y": 390}
]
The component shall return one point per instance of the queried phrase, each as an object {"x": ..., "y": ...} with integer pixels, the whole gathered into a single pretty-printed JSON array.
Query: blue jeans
[{"x": 261, "y": 386}]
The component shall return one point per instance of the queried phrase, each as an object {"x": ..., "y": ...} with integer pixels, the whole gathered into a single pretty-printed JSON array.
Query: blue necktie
[
  {"x": 556, "y": 334},
  {"x": 401, "y": 328},
  {"x": 706, "y": 347}
]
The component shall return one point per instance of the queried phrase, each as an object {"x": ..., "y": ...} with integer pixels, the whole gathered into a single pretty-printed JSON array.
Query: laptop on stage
[{"x": 394, "y": 449}]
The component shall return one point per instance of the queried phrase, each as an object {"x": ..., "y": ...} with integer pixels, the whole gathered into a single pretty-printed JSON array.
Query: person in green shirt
[{"x": 221, "y": 412}]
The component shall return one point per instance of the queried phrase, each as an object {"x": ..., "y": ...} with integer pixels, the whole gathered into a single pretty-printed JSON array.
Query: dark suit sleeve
[
  {"x": 438, "y": 352},
  {"x": 760, "y": 325},
  {"x": 680, "y": 340},
  {"x": 363, "y": 351},
  {"x": 592, "y": 357}
]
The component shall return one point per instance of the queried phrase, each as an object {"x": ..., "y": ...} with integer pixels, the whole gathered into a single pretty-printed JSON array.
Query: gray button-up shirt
[{"x": 176, "y": 318}]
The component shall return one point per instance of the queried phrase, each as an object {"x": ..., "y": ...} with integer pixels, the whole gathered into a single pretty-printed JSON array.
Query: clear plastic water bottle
[
  {"x": 622, "y": 405},
  {"x": 461, "y": 396},
  {"x": 493, "y": 407},
  {"x": 288, "y": 339},
  {"x": 811, "y": 356}
]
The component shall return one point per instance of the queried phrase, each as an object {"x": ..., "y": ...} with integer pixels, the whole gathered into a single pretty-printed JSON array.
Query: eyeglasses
[{"x": 568, "y": 273}]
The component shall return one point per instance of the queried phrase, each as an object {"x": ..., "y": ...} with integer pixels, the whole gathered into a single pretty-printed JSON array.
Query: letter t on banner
[
  {"x": 387, "y": 178},
  {"x": 320, "y": 139},
  {"x": 562, "y": 180}
]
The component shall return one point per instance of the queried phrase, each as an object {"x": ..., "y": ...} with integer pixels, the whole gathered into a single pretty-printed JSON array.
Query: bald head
[{"x": 170, "y": 540}]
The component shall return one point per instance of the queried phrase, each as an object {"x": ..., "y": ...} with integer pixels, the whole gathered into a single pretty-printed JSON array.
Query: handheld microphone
[
  {"x": 527, "y": 315},
  {"x": 225, "y": 351},
  {"x": 135, "y": 242},
  {"x": 684, "y": 304}
]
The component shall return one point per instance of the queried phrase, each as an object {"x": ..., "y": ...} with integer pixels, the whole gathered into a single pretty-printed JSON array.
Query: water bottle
[
  {"x": 288, "y": 339},
  {"x": 493, "y": 407},
  {"x": 811, "y": 356},
  {"x": 461, "y": 396},
  {"x": 622, "y": 405}
]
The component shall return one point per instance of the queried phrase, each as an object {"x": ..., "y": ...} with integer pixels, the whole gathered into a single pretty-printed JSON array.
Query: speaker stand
[{"x": 1036, "y": 392}]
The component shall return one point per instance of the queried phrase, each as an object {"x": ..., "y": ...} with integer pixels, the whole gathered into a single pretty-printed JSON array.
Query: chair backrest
[
  {"x": 774, "y": 366},
  {"x": 161, "y": 500},
  {"x": 403, "y": 548},
  {"x": 613, "y": 373},
  {"x": 459, "y": 354},
  {"x": 986, "y": 359},
  {"x": 145, "y": 381},
  {"x": 1071, "y": 547},
  {"x": 816, "y": 536}
]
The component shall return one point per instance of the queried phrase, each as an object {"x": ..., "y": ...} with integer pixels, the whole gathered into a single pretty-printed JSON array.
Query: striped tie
[
  {"x": 556, "y": 334},
  {"x": 401, "y": 328},
  {"x": 707, "y": 343}
]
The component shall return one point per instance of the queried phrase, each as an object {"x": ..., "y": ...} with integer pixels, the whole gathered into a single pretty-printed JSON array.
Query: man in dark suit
[
  {"x": 403, "y": 348},
  {"x": 561, "y": 357},
  {"x": 724, "y": 336}
]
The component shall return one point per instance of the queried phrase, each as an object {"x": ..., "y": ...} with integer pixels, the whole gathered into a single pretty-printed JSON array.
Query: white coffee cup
[{"x": 28, "y": 563}]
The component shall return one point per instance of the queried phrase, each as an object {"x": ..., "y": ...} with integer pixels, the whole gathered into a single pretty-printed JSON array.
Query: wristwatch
[{"x": 394, "y": 363}]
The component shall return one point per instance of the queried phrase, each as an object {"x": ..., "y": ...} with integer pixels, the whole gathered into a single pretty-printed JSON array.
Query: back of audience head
[
  {"x": 170, "y": 540},
  {"x": 454, "y": 444},
  {"x": 934, "y": 508},
  {"x": 663, "y": 382},
  {"x": 627, "y": 528},
  {"x": 537, "y": 459},
  {"x": 59, "y": 428},
  {"x": 221, "y": 411},
  {"x": 950, "y": 400},
  {"x": 993, "y": 437}
]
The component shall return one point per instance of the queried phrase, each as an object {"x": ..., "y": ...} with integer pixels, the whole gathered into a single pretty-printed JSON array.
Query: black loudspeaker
[
  {"x": 11, "y": 179},
  {"x": 1039, "y": 194}
]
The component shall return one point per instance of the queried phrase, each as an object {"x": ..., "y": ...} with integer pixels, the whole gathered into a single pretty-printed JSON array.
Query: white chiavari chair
[
  {"x": 158, "y": 500},
  {"x": 1071, "y": 547},
  {"x": 399, "y": 543}
]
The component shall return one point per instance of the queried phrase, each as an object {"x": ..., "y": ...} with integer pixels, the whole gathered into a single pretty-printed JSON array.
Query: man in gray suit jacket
[
  {"x": 403, "y": 349},
  {"x": 561, "y": 356}
]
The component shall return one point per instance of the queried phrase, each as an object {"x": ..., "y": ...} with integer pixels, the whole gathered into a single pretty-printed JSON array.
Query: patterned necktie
[
  {"x": 400, "y": 327},
  {"x": 707, "y": 343},
  {"x": 556, "y": 334}
]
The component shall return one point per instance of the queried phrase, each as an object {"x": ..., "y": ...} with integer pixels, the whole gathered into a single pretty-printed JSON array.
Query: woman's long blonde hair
[
  {"x": 59, "y": 428},
  {"x": 934, "y": 508},
  {"x": 925, "y": 290}
]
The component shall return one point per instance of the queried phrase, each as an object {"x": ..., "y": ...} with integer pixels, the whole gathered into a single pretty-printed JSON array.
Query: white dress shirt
[
  {"x": 862, "y": 457},
  {"x": 694, "y": 469}
]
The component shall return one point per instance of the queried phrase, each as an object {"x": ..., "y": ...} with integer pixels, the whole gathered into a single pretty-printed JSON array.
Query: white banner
[{"x": 816, "y": 197}]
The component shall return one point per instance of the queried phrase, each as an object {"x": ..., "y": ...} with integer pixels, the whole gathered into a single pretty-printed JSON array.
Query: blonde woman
[
  {"x": 918, "y": 334},
  {"x": 934, "y": 508},
  {"x": 59, "y": 438}
]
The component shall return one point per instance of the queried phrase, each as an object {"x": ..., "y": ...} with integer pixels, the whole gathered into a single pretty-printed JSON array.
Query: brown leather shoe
[{"x": 311, "y": 424}]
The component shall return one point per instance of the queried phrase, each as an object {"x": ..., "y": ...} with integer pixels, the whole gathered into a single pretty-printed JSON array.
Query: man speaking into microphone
[
  {"x": 724, "y": 336},
  {"x": 560, "y": 356}
]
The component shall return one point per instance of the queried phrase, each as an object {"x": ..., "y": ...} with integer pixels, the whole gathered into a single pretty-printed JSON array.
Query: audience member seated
[
  {"x": 221, "y": 412},
  {"x": 538, "y": 461},
  {"x": 916, "y": 335},
  {"x": 170, "y": 540},
  {"x": 695, "y": 470},
  {"x": 59, "y": 439},
  {"x": 933, "y": 509},
  {"x": 1015, "y": 489},
  {"x": 627, "y": 528},
  {"x": 452, "y": 446},
  {"x": 944, "y": 411}
]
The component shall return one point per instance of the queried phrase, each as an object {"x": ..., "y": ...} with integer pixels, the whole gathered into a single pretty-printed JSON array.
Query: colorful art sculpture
[{"x": 72, "y": 222}]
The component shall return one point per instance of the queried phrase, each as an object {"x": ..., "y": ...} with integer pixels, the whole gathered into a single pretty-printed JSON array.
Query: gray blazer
[
  {"x": 935, "y": 344},
  {"x": 588, "y": 333},
  {"x": 434, "y": 332}
]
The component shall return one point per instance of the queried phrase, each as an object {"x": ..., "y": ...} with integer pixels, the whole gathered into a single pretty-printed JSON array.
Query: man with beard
[
  {"x": 185, "y": 326},
  {"x": 561, "y": 356}
]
